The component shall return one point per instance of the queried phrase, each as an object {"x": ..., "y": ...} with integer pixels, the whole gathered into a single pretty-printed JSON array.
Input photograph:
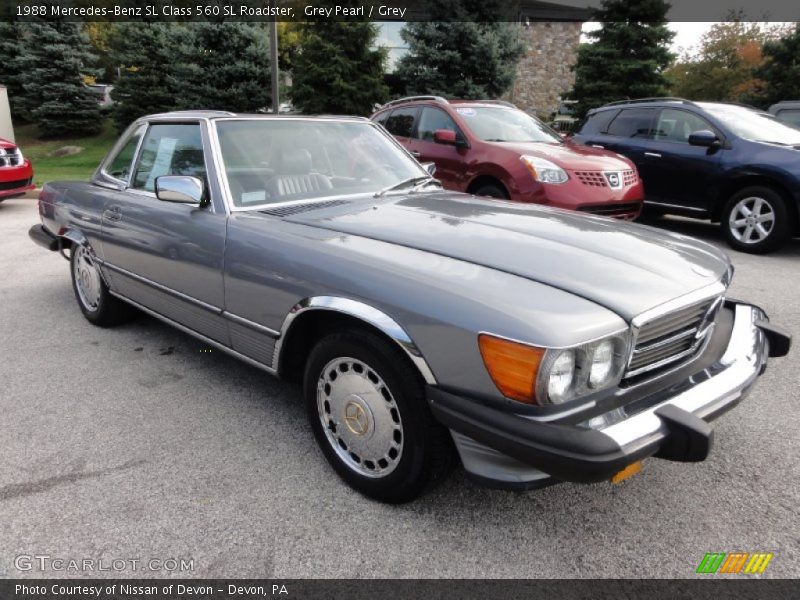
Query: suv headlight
[
  {"x": 547, "y": 376},
  {"x": 544, "y": 170}
]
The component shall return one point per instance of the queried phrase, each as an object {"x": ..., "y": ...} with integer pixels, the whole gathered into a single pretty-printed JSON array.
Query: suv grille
[
  {"x": 597, "y": 179},
  {"x": 10, "y": 157},
  {"x": 669, "y": 338},
  {"x": 12, "y": 185}
]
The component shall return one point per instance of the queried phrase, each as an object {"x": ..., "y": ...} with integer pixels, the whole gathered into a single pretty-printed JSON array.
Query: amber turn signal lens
[
  {"x": 512, "y": 366},
  {"x": 628, "y": 472}
]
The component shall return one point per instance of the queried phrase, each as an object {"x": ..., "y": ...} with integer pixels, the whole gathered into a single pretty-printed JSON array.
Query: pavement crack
[{"x": 21, "y": 490}]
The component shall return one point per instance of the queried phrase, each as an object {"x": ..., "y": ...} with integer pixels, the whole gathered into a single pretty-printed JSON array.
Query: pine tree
[
  {"x": 225, "y": 66},
  {"x": 462, "y": 52},
  {"x": 628, "y": 56},
  {"x": 52, "y": 67},
  {"x": 145, "y": 54},
  {"x": 336, "y": 69},
  {"x": 11, "y": 49},
  {"x": 780, "y": 73}
]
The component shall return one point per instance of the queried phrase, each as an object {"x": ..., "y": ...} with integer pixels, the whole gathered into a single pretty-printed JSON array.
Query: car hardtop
[{"x": 216, "y": 115}]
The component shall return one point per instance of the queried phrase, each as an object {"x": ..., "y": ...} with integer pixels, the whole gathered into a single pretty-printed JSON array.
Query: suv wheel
[
  {"x": 366, "y": 405},
  {"x": 756, "y": 220},
  {"x": 491, "y": 191}
]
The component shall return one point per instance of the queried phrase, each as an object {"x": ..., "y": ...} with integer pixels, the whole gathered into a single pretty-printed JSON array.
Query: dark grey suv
[{"x": 728, "y": 163}]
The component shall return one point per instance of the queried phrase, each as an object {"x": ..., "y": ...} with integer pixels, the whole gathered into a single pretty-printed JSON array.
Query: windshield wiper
[{"x": 413, "y": 181}]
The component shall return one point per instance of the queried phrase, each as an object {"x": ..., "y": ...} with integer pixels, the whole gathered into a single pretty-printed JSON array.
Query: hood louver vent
[{"x": 285, "y": 211}]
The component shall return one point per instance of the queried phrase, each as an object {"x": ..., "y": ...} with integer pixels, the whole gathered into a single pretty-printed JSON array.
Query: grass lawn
[{"x": 78, "y": 166}]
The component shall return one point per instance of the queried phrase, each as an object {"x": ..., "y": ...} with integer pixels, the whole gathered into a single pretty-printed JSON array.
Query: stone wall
[{"x": 543, "y": 74}]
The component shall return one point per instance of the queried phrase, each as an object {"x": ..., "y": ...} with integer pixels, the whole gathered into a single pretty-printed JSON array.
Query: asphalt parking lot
[{"x": 138, "y": 443}]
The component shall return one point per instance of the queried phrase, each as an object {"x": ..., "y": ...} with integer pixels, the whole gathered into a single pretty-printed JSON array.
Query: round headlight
[
  {"x": 561, "y": 375},
  {"x": 602, "y": 364}
]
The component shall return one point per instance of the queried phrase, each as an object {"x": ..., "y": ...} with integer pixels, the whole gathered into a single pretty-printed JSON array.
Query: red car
[
  {"x": 491, "y": 148},
  {"x": 16, "y": 173}
]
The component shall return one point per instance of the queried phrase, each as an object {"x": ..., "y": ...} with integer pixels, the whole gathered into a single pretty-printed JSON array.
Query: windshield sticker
[
  {"x": 254, "y": 197},
  {"x": 467, "y": 112}
]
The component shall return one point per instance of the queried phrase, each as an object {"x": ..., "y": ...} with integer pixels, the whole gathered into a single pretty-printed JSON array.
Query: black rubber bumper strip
[
  {"x": 44, "y": 238},
  {"x": 779, "y": 340},
  {"x": 690, "y": 438},
  {"x": 565, "y": 452}
]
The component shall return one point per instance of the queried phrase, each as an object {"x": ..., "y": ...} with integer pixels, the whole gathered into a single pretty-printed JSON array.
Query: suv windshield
[
  {"x": 277, "y": 160},
  {"x": 499, "y": 124},
  {"x": 751, "y": 125}
]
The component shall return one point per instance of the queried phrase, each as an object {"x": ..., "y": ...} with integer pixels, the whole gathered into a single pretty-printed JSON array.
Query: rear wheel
[
  {"x": 96, "y": 303},
  {"x": 366, "y": 405},
  {"x": 756, "y": 220}
]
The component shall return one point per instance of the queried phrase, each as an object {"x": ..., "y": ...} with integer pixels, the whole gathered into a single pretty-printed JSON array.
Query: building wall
[
  {"x": 6, "y": 128},
  {"x": 543, "y": 74}
]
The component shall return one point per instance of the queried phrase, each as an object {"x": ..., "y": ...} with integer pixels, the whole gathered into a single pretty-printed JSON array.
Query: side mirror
[
  {"x": 704, "y": 138},
  {"x": 430, "y": 167},
  {"x": 444, "y": 136},
  {"x": 182, "y": 189}
]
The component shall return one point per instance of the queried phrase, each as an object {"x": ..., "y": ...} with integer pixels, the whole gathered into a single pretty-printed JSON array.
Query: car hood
[
  {"x": 622, "y": 266},
  {"x": 571, "y": 157}
]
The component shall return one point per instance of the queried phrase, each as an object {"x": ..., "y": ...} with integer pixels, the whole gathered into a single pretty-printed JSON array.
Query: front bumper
[{"x": 511, "y": 450}]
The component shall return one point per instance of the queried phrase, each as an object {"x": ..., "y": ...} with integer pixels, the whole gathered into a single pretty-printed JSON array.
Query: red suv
[
  {"x": 491, "y": 148},
  {"x": 16, "y": 173}
]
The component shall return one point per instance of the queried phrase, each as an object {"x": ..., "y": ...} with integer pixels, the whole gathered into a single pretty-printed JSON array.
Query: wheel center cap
[{"x": 356, "y": 415}]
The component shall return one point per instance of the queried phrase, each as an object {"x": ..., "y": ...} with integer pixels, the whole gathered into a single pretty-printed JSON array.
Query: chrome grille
[
  {"x": 10, "y": 157},
  {"x": 597, "y": 179},
  {"x": 666, "y": 339}
]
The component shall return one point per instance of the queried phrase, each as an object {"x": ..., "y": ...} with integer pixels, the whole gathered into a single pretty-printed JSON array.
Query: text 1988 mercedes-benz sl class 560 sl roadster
[{"x": 538, "y": 345}]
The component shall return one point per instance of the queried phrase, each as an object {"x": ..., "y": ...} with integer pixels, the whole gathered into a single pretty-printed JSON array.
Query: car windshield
[
  {"x": 500, "y": 124},
  {"x": 751, "y": 125},
  {"x": 270, "y": 160}
]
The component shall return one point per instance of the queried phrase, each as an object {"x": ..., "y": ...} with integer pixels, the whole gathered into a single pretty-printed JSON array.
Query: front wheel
[
  {"x": 756, "y": 220},
  {"x": 366, "y": 405},
  {"x": 491, "y": 191},
  {"x": 96, "y": 303}
]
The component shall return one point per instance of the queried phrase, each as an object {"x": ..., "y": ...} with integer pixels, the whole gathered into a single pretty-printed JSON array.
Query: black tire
[
  {"x": 769, "y": 203},
  {"x": 102, "y": 309},
  {"x": 427, "y": 454},
  {"x": 491, "y": 190}
]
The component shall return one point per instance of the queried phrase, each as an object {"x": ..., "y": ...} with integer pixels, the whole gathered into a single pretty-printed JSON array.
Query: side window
[
  {"x": 598, "y": 122},
  {"x": 433, "y": 119},
  {"x": 633, "y": 123},
  {"x": 120, "y": 166},
  {"x": 401, "y": 122},
  {"x": 381, "y": 118},
  {"x": 676, "y": 125},
  {"x": 169, "y": 149},
  {"x": 790, "y": 116}
]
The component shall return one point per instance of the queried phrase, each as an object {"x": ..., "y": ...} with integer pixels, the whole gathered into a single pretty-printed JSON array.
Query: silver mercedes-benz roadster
[{"x": 535, "y": 344}]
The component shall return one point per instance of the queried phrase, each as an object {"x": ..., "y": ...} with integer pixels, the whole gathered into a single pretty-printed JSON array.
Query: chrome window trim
[
  {"x": 112, "y": 155},
  {"x": 364, "y": 312}
]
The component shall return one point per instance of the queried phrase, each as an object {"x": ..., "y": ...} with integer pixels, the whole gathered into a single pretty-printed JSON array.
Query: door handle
[
  {"x": 598, "y": 146},
  {"x": 415, "y": 153},
  {"x": 113, "y": 213},
  {"x": 653, "y": 154}
]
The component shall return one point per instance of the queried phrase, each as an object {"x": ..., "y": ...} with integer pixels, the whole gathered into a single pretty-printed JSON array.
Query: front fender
[{"x": 363, "y": 312}]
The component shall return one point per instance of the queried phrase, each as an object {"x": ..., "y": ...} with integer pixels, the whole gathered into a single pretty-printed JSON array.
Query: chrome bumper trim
[{"x": 740, "y": 366}]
